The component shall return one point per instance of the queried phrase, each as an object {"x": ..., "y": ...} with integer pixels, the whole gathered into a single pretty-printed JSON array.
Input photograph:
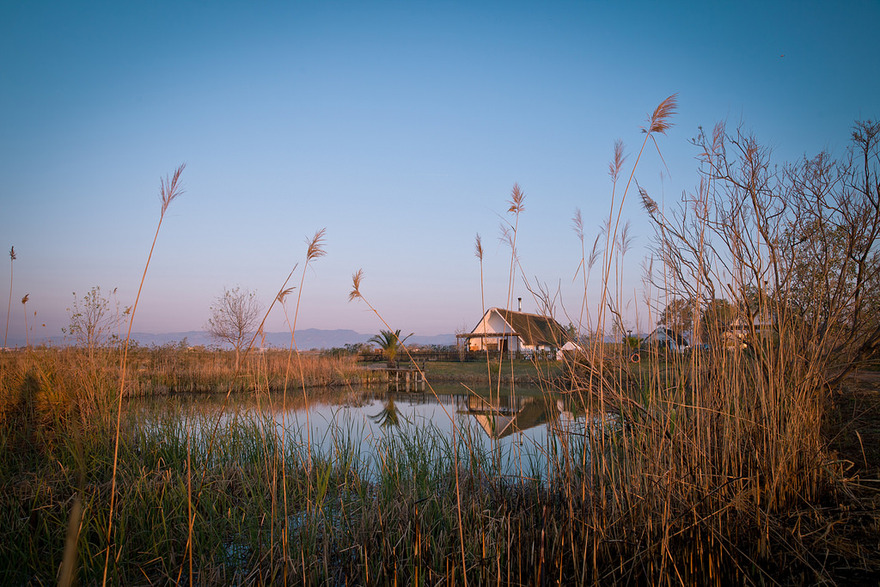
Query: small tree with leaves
[
  {"x": 234, "y": 315},
  {"x": 679, "y": 315}
]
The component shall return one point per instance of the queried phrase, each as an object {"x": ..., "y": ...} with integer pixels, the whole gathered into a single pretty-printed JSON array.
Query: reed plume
[
  {"x": 356, "y": 279},
  {"x": 660, "y": 120},
  {"x": 516, "y": 200},
  {"x": 315, "y": 245},
  {"x": 24, "y": 302},
  {"x": 617, "y": 160},
  {"x": 9, "y": 306},
  {"x": 169, "y": 188}
]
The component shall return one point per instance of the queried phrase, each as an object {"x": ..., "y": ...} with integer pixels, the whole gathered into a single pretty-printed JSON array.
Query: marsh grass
[{"x": 618, "y": 499}]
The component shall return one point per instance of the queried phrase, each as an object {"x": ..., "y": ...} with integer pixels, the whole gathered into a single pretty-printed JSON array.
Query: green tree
[
  {"x": 389, "y": 343},
  {"x": 717, "y": 317},
  {"x": 679, "y": 315}
]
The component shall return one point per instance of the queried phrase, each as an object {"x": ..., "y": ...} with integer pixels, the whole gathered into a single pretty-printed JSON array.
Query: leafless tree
[
  {"x": 92, "y": 323},
  {"x": 234, "y": 316},
  {"x": 791, "y": 245}
]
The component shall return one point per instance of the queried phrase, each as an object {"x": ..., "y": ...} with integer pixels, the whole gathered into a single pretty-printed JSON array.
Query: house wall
[{"x": 491, "y": 324}]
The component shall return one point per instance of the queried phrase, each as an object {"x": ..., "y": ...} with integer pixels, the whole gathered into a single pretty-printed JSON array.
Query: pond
[{"x": 517, "y": 431}]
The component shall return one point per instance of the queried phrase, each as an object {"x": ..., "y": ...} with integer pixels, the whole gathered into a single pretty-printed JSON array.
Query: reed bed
[
  {"x": 164, "y": 370},
  {"x": 674, "y": 486}
]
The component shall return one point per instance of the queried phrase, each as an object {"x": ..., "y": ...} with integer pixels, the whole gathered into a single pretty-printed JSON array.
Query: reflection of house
[
  {"x": 500, "y": 420},
  {"x": 665, "y": 338},
  {"x": 515, "y": 332}
]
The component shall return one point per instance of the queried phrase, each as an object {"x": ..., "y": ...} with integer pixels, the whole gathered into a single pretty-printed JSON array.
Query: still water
[{"x": 519, "y": 429}]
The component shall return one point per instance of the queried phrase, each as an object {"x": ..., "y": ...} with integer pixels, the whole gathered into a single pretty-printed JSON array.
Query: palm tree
[{"x": 389, "y": 343}]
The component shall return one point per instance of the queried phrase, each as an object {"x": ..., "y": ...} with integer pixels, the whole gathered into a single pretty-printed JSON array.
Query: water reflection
[
  {"x": 528, "y": 421},
  {"x": 389, "y": 416},
  {"x": 505, "y": 415}
]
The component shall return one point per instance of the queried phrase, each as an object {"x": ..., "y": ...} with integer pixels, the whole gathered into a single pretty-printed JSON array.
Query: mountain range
[{"x": 306, "y": 339}]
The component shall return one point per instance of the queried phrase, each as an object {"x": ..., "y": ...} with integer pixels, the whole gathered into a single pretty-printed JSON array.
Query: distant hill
[{"x": 307, "y": 339}]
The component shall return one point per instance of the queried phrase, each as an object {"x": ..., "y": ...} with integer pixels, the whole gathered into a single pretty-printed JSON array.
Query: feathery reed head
[
  {"x": 717, "y": 137},
  {"x": 625, "y": 239},
  {"x": 356, "y": 285},
  {"x": 478, "y": 247},
  {"x": 516, "y": 199},
  {"x": 316, "y": 246},
  {"x": 25, "y": 299},
  {"x": 594, "y": 252},
  {"x": 577, "y": 224},
  {"x": 169, "y": 188},
  {"x": 659, "y": 121},
  {"x": 282, "y": 295},
  {"x": 616, "y": 161},
  {"x": 12, "y": 253},
  {"x": 507, "y": 235},
  {"x": 649, "y": 204}
]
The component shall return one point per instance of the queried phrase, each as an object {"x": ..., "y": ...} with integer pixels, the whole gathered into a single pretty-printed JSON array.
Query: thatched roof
[{"x": 533, "y": 329}]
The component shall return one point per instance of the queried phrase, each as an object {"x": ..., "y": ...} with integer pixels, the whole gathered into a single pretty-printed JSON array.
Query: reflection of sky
[
  {"x": 399, "y": 126},
  {"x": 526, "y": 445},
  {"x": 351, "y": 417}
]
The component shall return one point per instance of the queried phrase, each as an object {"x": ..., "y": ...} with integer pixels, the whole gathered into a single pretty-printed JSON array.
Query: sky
[{"x": 399, "y": 127}]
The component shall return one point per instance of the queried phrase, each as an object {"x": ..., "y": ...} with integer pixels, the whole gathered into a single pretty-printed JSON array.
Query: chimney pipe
[{"x": 519, "y": 300}]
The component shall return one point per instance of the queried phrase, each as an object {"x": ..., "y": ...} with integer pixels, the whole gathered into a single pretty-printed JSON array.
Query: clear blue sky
[{"x": 399, "y": 126}]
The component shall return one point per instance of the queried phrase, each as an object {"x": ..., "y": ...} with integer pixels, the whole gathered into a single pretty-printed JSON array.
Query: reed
[
  {"x": 169, "y": 190},
  {"x": 9, "y": 305}
]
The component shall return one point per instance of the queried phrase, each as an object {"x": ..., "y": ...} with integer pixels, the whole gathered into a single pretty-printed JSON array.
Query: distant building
[
  {"x": 570, "y": 349},
  {"x": 515, "y": 332},
  {"x": 667, "y": 338}
]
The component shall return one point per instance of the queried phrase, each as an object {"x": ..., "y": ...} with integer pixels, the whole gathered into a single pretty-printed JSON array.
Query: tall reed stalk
[
  {"x": 9, "y": 305},
  {"x": 27, "y": 336},
  {"x": 169, "y": 190}
]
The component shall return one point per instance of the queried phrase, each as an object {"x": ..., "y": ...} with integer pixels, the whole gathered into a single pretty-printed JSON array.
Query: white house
[
  {"x": 569, "y": 348},
  {"x": 666, "y": 337},
  {"x": 515, "y": 332}
]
